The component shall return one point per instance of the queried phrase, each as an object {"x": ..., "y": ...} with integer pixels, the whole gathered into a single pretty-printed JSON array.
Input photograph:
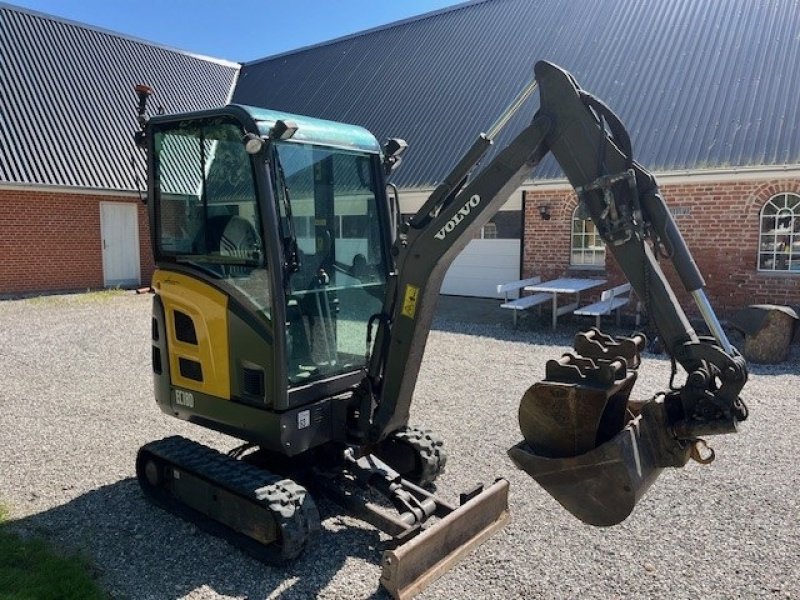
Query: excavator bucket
[
  {"x": 412, "y": 566},
  {"x": 602, "y": 486},
  {"x": 585, "y": 443}
]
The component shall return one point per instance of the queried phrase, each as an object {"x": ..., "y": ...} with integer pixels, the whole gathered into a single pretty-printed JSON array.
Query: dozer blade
[
  {"x": 409, "y": 568},
  {"x": 602, "y": 486}
]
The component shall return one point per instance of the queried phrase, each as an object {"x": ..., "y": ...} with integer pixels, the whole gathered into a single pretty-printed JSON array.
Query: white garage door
[{"x": 481, "y": 266}]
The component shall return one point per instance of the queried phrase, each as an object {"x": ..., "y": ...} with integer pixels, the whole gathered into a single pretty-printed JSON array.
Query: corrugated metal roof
[
  {"x": 699, "y": 84},
  {"x": 67, "y": 106}
]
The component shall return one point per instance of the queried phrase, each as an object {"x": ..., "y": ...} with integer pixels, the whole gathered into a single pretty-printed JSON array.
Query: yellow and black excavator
[{"x": 292, "y": 307}]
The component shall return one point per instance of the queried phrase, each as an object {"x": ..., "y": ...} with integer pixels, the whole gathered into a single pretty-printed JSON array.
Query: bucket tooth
[{"x": 409, "y": 568}]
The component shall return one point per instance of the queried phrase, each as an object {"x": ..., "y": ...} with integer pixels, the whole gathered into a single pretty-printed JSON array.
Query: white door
[
  {"x": 119, "y": 230},
  {"x": 481, "y": 266}
]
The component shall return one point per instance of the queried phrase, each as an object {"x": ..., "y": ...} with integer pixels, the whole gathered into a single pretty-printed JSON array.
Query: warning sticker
[
  {"x": 303, "y": 419},
  {"x": 410, "y": 302}
]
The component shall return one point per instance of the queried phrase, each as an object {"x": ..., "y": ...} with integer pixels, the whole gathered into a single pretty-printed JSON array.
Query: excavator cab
[
  {"x": 329, "y": 218},
  {"x": 290, "y": 230}
]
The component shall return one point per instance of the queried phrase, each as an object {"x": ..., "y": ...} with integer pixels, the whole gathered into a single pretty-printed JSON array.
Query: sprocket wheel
[{"x": 417, "y": 454}]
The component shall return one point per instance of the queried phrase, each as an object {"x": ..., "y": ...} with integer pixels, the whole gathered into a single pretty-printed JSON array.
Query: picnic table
[{"x": 564, "y": 286}]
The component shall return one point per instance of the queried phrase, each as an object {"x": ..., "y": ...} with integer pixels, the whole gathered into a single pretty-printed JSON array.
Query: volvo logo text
[{"x": 458, "y": 217}]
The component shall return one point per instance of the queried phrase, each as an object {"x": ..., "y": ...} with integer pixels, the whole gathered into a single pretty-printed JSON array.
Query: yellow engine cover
[{"x": 208, "y": 309}]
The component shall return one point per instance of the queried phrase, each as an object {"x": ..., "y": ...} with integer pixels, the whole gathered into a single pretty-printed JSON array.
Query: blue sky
[{"x": 238, "y": 30}]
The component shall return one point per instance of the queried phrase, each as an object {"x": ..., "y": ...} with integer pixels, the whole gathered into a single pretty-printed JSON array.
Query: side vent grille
[
  {"x": 253, "y": 381},
  {"x": 191, "y": 369},
  {"x": 184, "y": 328},
  {"x": 155, "y": 330},
  {"x": 156, "y": 361}
]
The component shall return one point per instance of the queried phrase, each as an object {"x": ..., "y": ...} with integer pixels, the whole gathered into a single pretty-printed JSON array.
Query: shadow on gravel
[
  {"x": 791, "y": 366},
  {"x": 143, "y": 552}
]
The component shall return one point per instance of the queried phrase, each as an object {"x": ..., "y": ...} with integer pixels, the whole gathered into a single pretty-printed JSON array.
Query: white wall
[{"x": 481, "y": 266}]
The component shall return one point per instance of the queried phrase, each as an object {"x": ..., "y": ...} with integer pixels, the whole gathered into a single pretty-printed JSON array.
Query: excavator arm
[
  {"x": 622, "y": 198},
  {"x": 585, "y": 442},
  {"x": 580, "y": 417}
]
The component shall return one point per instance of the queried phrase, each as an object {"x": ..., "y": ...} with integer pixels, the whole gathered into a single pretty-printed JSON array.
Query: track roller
[{"x": 269, "y": 517}]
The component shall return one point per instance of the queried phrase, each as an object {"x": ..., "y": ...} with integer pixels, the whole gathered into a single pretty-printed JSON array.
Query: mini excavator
[{"x": 292, "y": 304}]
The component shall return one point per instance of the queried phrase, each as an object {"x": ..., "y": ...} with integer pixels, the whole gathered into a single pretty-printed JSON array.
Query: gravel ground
[{"x": 77, "y": 403}]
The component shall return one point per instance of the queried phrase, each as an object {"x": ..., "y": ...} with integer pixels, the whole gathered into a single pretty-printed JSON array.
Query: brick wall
[
  {"x": 720, "y": 222},
  {"x": 50, "y": 241}
]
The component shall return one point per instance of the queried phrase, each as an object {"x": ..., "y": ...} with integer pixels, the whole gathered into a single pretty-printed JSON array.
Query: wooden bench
[
  {"x": 524, "y": 302},
  {"x": 610, "y": 300}
]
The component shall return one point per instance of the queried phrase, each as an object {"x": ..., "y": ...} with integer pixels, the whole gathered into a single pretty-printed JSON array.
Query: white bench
[
  {"x": 524, "y": 302},
  {"x": 610, "y": 300}
]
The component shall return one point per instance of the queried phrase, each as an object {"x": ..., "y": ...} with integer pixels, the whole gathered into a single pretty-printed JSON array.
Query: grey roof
[
  {"x": 67, "y": 106},
  {"x": 700, "y": 84}
]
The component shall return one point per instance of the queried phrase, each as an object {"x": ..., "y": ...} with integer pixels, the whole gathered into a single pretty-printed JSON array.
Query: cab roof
[
  {"x": 309, "y": 129},
  {"x": 316, "y": 131}
]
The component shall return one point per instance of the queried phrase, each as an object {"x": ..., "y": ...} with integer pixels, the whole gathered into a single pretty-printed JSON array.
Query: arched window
[
  {"x": 587, "y": 248},
  {"x": 779, "y": 242}
]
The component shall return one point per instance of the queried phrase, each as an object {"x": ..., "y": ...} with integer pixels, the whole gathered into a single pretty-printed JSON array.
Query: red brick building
[
  {"x": 720, "y": 216},
  {"x": 54, "y": 240},
  {"x": 70, "y": 213}
]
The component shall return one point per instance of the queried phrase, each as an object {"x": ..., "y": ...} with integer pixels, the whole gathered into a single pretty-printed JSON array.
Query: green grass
[{"x": 31, "y": 569}]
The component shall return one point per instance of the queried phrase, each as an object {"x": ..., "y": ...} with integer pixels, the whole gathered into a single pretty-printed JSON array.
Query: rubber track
[
  {"x": 430, "y": 449},
  {"x": 284, "y": 500}
]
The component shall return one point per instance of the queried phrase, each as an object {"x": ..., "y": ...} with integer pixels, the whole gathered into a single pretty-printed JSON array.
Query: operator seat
[
  {"x": 230, "y": 235},
  {"x": 238, "y": 238}
]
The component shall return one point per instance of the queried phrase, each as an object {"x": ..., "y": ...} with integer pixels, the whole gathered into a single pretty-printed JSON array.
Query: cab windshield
[{"x": 335, "y": 250}]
